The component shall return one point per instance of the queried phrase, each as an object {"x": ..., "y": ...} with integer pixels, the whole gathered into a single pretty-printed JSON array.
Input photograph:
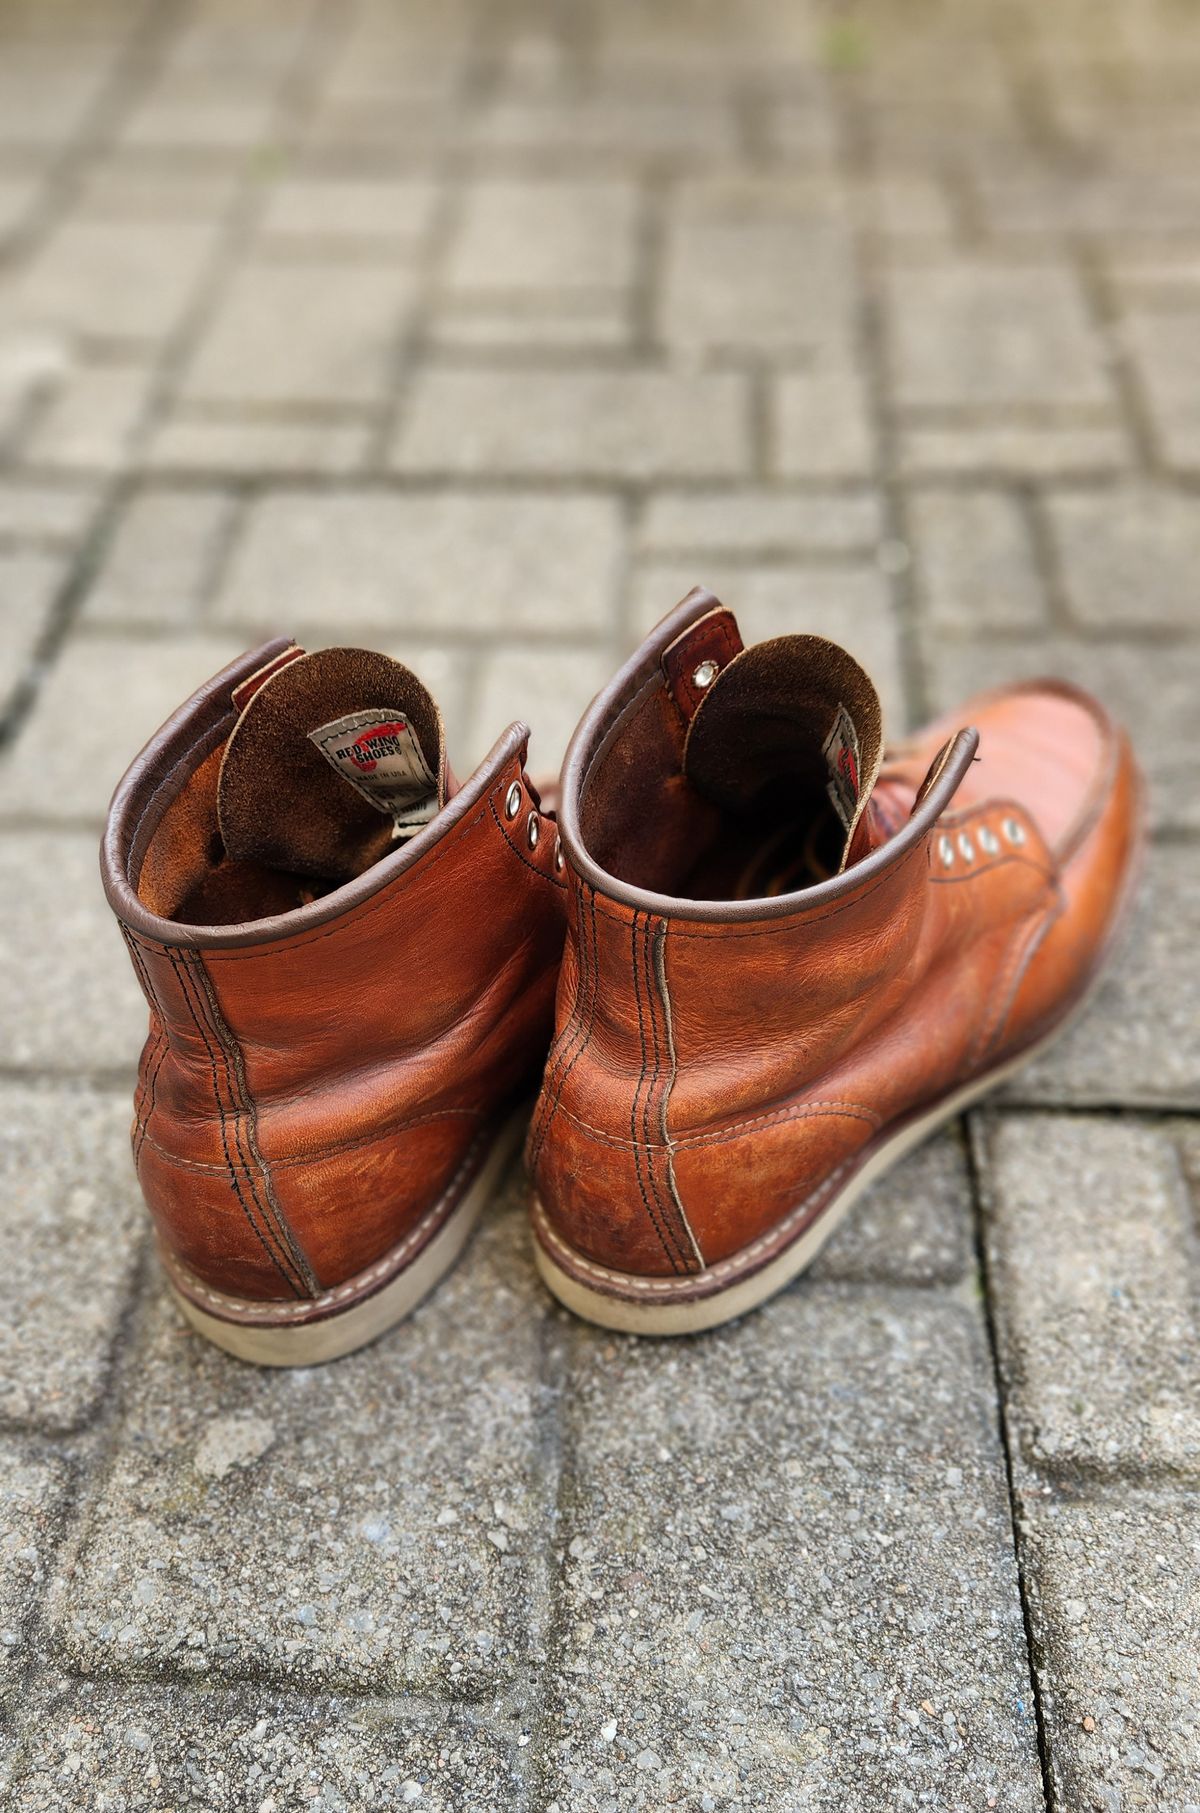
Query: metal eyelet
[
  {"x": 966, "y": 847},
  {"x": 989, "y": 843},
  {"x": 559, "y": 859},
  {"x": 1014, "y": 831},
  {"x": 946, "y": 852},
  {"x": 512, "y": 800},
  {"x": 705, "y": 674},
  {"x": 533, "y": 830}
]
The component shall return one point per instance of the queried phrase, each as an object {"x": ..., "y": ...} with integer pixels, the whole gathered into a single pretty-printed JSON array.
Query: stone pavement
[{"x": 479, "y": 330}]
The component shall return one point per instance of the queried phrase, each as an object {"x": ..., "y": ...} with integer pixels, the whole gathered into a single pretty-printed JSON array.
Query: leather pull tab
[{"x": 692, "y": 662}]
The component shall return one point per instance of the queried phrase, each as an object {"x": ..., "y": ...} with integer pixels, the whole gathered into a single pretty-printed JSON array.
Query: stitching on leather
[
  {"x": 660, "y": 971},
  {"x": 1020, "y": 956},
  {"x": 160, "y": 1041},
  {"x": 150, "y": 1091},
  {"x": 235, "y": 1063},
  {"x": 724, "y": 1268},
  {"x": 799, "y": 921},
  {"x": 319, "y": 1154},
  {"x": 563, "y": 1038},
  {"x": 636, "y": 1144},
  {"x": 520, "y": 854},
  {"x": 175, "y": 961},
  {"x": 683, "y": 1259},
  {"x": 285, "y": 945},
  {"x": 391, "y": 1261},
  {"x": 740, "y": 1129},
  {"x": 585, "y": 1030}
]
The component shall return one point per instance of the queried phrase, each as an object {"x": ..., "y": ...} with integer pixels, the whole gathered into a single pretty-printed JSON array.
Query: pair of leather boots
[{"x": 789, "y": 954}]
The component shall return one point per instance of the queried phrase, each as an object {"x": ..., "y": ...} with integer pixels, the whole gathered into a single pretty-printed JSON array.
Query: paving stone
[
  {"x": 1129, "y": 557},
  {"x": 90, "y": 1746},
  {"x": 726, "y": 521},
  {"x": 1117, "y": 1621},
  {"x": 103, "y": 698},
  {"x": 821, "y": 426},
  {"x": 625, "y": 425},
  {"x": 756, "y": 1555},
  {"x": 228, "y": 445},
  {"x": 488, "y": 562},
  {"x": 195, "y": 114},
  {"x": 158, "y": 563},
  {"x": 974, "y": 334},
  {"x": 1090, "y": 1233},
  {"x": 393, "y": 213},
  {"x": 547, "y": 688},
  {"x": 580, "y": 320},
  {"x": 660, "y": 129},
  {"x": 757, "y": 266},
  {"x": 40, "y": 514},
  {"x": 850, "y": 605},
  {"x": 129, "y": 186},
  {"x": 1049, "y": 450},
  {"x": 912, "y": 1227},
  {"x": 1138, "y": 1043},
  {"x": 93, "y": 422},
  {"x": 124, "y": 281},
  {"x": 386, "y": 1536},
  {"x": 72, "y": 1003},
  {"x": 1166, "y": 359},
  {"x": 31, "y": 1497},
  {"x": 975, "y": 561},
  {"x": 1149, "y": 687},
  {"x": 69, "y": 1244},
  {"x": 29, "y": 583},
  {"x": 45, "y": 96},
  {"x": 546, "y": 235},
  {"x": 302, "y": 333}
]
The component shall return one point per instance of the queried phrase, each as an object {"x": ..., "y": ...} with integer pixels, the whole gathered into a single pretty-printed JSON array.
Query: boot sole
[
  {"x": 248, "y": 1333},
  {"x": 685, "y": 1306}
]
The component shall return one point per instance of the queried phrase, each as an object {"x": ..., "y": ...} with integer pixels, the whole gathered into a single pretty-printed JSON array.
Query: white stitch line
[
  {"x": 279, "y": 1312},
  {"x": 684, "y": 1286}
]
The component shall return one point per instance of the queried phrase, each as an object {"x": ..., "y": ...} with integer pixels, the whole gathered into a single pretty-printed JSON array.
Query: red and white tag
[
  {"x": 377, "y": 753},
  {"x": 840, "y": 750}
]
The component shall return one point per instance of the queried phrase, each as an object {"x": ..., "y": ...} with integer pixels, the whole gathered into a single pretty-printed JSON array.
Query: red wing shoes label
[
  {"x": 377, "y": 753},
  {"x": 840, "y": 750}
]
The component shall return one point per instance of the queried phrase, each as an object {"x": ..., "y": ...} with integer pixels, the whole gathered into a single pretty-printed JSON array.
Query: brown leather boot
[
  {"x": 791, "y": 955},
  {"x": 350, "y": 963}
]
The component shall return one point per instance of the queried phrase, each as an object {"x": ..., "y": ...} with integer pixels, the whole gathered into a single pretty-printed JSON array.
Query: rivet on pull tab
[
  {"x": 696, "y": 658},
  {"x": 243, "y": 693}
]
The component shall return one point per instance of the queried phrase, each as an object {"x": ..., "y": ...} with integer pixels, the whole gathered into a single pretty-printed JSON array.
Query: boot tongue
[
  {"x": 796, "y": 714},
  {"x": 334, "y": 756}
]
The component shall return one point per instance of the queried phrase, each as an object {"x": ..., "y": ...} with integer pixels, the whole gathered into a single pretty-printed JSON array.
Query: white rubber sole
[
  {"x": 344, "y": 1331},
  {"x": 620, "y": 1307}
]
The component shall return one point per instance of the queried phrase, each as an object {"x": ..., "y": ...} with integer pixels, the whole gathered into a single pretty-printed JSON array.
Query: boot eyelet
[
  {"x": 946, "y": 852},
  {"x": 966, "y": 847},
  {"x": 558, "y": 856},
  {"x": 512, "y": 800},
  {"x": 1014, "y": 831},
  {"x": 989, "y": 843},
  {"x": 533, "y": 830},
  {"x": 705, "y": 674}
]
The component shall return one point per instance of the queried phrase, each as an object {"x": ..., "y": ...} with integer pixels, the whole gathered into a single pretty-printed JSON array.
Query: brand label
[
  {"x": 377, "y": 753},
  {"x": 840, "y": 750}
]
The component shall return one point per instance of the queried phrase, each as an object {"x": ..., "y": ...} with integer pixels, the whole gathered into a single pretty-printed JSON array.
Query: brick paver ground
[{"x": 478, "y": 330}]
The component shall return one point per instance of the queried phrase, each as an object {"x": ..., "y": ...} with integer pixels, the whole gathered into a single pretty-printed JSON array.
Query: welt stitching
[
  {"x": 174, "y": 961},
  {"x": 665, "y": 1209},
  {"x": 237, "y": 1112},
  {"x": 519, "y": 854},
  {"x": 235, "y": 1058},
  {"x": 633, "y": 1111},
  {"x": 586, "y": 1029},
  {"x": 317, "y": 1156}
]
